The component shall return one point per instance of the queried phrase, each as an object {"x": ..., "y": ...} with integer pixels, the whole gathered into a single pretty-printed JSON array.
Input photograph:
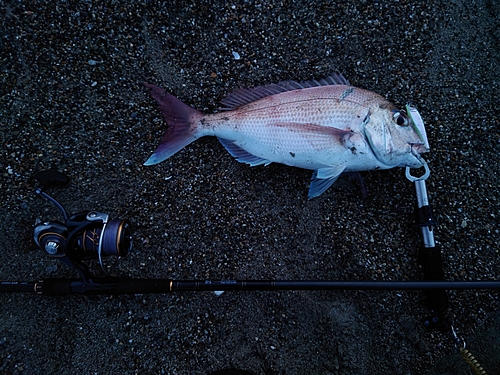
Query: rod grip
[
  {"x": 54, "y": 287},
  {"x": 109, "y": 285}
]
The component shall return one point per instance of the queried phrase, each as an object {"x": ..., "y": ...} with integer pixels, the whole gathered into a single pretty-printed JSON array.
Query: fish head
[{"x": 396, "y": 137}]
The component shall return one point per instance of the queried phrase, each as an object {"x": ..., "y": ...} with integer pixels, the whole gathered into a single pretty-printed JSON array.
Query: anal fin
[{"x": 241, "y": 155}]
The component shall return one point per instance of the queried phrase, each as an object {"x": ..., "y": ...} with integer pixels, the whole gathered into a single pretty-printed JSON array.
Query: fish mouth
[{"x": 417, "y": 149}]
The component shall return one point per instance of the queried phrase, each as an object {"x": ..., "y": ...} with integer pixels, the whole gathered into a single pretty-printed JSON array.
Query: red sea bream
[{"x": 327, "y": 126}]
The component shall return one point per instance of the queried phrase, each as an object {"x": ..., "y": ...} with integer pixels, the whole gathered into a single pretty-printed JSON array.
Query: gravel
[{"x": 72, "y": 99}]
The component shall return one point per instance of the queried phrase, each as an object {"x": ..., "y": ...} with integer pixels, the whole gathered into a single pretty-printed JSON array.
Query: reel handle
[{"x": 48, "y": 179}]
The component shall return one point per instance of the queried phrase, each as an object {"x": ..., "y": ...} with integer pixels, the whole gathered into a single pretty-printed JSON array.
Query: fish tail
[{"x": 181, "y": 120}]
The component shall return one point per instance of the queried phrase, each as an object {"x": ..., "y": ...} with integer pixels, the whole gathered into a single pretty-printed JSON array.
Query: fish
[{"x": 326, "y": 125}]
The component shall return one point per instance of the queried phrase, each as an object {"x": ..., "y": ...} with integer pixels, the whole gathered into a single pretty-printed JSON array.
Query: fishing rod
[
  {"x": 90, "y": 235},
  {"x": 116, "y": 286}
]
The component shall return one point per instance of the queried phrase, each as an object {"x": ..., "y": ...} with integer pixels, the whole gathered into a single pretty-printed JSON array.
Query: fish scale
[{"x": 327, "y": 126}]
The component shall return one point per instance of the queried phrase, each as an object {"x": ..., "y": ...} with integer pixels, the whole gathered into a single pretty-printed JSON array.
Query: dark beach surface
[{"x": 72, "y": 99}]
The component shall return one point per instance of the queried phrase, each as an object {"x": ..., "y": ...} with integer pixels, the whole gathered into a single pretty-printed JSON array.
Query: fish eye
[{"x": 401, "y": 119}]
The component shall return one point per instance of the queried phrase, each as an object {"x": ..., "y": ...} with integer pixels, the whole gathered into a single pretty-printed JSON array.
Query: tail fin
[{"x": 180, "y": 131}]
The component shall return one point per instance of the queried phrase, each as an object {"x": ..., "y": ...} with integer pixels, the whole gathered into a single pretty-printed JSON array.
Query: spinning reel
[{"x": 83, "y": 236}]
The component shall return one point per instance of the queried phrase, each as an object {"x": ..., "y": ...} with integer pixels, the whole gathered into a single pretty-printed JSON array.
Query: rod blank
[{"x": 221, "y": 285}]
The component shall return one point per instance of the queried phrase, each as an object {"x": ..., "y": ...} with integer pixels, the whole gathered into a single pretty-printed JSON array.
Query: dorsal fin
[{"x": 240, "y": 97}]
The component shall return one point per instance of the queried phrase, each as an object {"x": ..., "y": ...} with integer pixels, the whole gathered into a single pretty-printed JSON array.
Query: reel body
[{"x": 86, "y": 235}]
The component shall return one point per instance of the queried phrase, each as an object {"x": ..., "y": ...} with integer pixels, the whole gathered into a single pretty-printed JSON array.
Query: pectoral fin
[
  {"x": 323, "y": 178},
  {"x": 319, "y": 137}
]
